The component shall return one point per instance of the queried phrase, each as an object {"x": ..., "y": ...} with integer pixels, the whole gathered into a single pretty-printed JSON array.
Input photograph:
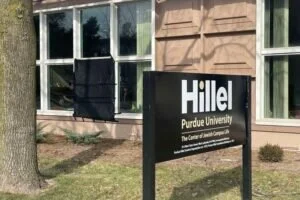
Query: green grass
[{"x": 112, "y": 181}]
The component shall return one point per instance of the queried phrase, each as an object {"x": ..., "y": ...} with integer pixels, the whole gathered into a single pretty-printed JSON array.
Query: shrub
[
  {"x": 270, "y": 153},
  {"x": 40, "y": 134},
  {"x": 40, "y": 138},
  {"x": 84, "y": 138}
]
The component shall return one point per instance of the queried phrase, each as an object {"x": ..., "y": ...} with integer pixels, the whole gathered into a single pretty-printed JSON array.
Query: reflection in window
[
  {"x": 95, "y": 32},
  {"x": 36, "y": 20},
  {"x": 134, "y": 25},
  {"x": 61, "y": 87},
  {"x": 38, "y": 87},
  {"x": 131, "y": 86},
  {"x": 60, "y": 35},
  {"x": 282, "y": 87},
  {"x": 282, "y": 23}
]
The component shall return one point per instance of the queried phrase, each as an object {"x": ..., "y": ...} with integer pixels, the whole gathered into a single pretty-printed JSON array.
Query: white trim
[
  {"x": 281, "y": 51},
  {"x": 111, "y": 30},
  {"x": 115, "y": 30},
  {"x": 261, "y": 60},
  {"x": 70, "y": 113},
  {"x": 59, "y": 61},
  {"x": 43, "y": 67},
  {"x": 278, "y": 122},
  {"x": 129, "y": 116},
  {"x": 43, "y": 37},
  {"x": 153, "y": 35},
  {"x": 76, "y": 34},
  {"x": 114, "y": 51},
  {"x": 133, "y": 58},
  {"x": 90, "y": 5},
  {"x": 124, "y": 1},
  {"x": 47, "y": 87},
  {"x": 117, "y": 88},
  {"x": 53, "y": 10},
  {"x": 55, "y": 112},
  {"x": 262, "y": 22},
  {"x": 95, "y": 58},
  {"x": 80, "y": 6},
  {"x": 260, "y": 88},
  {"x": 258, "y": 67}
]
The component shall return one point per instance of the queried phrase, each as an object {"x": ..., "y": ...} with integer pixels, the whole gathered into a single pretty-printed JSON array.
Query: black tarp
[{"x": 94, "y": 89}]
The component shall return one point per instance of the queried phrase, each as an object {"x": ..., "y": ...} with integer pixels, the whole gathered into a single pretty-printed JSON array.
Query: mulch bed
[{"x": 130, "y": 153}]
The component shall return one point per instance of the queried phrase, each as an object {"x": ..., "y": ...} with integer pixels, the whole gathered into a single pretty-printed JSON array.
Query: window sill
[
  {"x": 70, "y": 114},
  {"x": 278, "y": 122},
  {"x": 129, "y": 116},
  {"x": 55, "y": 113}
]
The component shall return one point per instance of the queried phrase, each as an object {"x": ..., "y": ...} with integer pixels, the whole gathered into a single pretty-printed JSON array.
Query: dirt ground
[{"x": 130, "y": 153}]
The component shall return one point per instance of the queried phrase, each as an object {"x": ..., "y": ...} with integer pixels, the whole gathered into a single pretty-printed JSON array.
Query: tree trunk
[{"x": 18, "y": 154}]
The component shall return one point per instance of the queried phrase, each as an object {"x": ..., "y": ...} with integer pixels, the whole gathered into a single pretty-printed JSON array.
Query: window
[
  {"x": 134, "y": 28},
  {"x": 281, "y": 23},
  {"x": 95, "y": 32},
  {"x": 36, "y": 20},
  {"x": 280, "y": 60},
  {"x": 60, "y": 30},
  {"x": 38, "y": 87},
  {"x": 122, "y": 29},
  {"x": 131, "y": 86},
  {"x": 134, "y": 39},
  {"x": 61, "y": 87},
  {"x": 282, "y": 88}
]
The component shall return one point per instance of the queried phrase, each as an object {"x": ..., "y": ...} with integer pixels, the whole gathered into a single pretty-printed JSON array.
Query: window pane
[
  {"x": 282, "y": 20},
  {"x": 38, "y": 88},
  {"x": 36, "y": 20},
  {"x": 134, "y": 25},
  {"x": 95, "y": 31},
  {"x": 282, "y": 87},
  {"x": 131, "y": 86},
  {"x": 60, "y": 35},
  {"x": 61, "y": 87}
]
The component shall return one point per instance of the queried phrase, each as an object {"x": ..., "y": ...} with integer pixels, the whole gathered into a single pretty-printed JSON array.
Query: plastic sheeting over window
[{"x": 94, "y": 89}]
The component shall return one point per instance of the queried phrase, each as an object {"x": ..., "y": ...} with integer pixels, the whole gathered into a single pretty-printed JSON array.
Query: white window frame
[
  {"x": 261, "y": 53},
  {"x": 45, "y": 62}
]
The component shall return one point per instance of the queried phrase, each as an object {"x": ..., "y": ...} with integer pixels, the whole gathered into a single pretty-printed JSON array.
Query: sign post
[
  {"x": 148, "y": 139},
  {"x": 247, "y": 170},
  {"x": 186, "y": 114}
]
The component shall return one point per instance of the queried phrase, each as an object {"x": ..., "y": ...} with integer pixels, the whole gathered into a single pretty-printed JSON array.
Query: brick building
[{"x": 258, "y": 38}]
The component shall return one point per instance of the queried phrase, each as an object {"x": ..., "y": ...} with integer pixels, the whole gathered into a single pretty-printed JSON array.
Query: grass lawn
[{"x": 112, "y": 179}]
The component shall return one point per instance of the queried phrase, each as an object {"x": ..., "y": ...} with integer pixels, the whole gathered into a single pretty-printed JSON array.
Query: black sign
[
  {"x": 193, "y": 113},
  {"x": 186, "y": 114}
]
